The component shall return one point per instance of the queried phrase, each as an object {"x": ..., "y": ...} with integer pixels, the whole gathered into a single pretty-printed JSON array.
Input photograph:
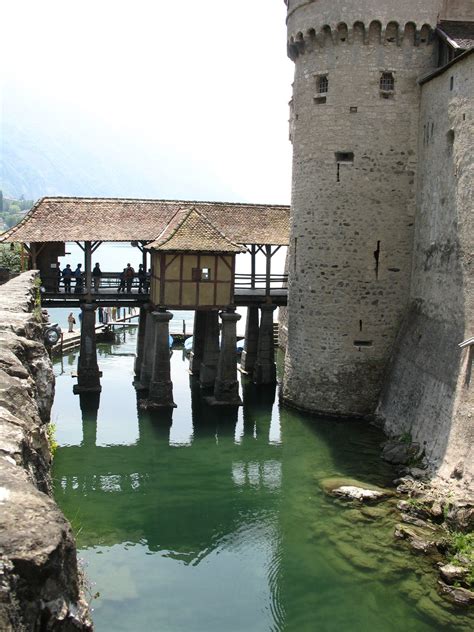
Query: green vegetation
[
  {"x": 53, "y": 444},
  {"x": 12, "y": 211},
  {"x": 10, "y": 257},
  {"x": 461, "y": 547}
]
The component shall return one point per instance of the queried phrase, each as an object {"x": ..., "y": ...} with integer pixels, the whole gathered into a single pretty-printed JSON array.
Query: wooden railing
[{"x": 254, "y": 281}]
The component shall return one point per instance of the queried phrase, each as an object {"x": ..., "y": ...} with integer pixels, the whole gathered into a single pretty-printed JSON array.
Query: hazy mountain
[{"x": 46, "y": 155}]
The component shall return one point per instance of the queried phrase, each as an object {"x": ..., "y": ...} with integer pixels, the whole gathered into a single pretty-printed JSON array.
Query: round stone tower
[{"x": 354, "y": 128}]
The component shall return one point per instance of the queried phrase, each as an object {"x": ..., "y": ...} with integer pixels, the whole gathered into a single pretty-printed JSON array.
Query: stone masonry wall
[
  {"x": 353, "y": 197},
  {"x": 429, "y": 392},
  {"x": 40, "y": 586}
]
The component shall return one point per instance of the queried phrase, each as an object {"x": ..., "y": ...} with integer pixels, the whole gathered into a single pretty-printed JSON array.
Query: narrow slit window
[{"x": 387, "y": 84}]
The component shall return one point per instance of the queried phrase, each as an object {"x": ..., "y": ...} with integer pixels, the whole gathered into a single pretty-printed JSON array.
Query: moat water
[{"x": 215, "y": 520}]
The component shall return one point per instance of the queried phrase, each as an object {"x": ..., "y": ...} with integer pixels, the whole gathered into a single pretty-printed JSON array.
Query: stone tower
[{"x": 354, "y": 127}]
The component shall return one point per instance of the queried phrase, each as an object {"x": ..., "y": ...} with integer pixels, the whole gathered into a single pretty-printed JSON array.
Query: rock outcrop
[{"x": 40, "y": 585}]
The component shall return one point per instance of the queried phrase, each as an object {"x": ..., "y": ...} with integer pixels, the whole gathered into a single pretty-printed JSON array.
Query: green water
[{"x": 216, "y": 521}]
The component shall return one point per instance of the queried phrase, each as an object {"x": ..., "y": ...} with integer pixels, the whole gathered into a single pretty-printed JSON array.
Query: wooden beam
[{"x": 268, "y": 255}]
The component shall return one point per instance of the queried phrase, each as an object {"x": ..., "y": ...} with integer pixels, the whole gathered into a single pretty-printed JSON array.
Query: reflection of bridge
[
  {"x": 136, "y": 483},
  {"x": 193, "y": 248}
]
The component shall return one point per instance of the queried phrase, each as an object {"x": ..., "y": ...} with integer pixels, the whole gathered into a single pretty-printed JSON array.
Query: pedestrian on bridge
[
  {"x": 96, "y": 274},
  {"x": 67, "y": 276},
  {"x": 79, "y": 280},
  {"x": 129, "y": 276}
]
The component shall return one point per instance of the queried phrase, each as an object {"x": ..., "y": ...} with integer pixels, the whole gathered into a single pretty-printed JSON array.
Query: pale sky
[{"x": 206, "y": 80}]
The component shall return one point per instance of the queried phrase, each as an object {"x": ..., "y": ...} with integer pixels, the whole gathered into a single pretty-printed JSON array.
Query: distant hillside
[{"x": 54, "y": 157}]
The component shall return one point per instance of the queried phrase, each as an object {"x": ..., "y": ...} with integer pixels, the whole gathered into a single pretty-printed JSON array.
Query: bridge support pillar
[
  {"x": 142, "y": 321},
  {"x": 207, "y": 374},
  {"x": 265, "y": 368},
  {"x": 199, "y": 337},
  {"x": 88, "y": 374},
  {"x": 146, "y": 367},
  {"x": 249, "y": 354},
  {"x": 226, "y": 387},
  {"x": 160, "y": 394}
]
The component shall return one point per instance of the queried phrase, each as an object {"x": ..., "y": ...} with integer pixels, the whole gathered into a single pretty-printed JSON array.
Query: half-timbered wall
[{"x": 192, "y": 281}]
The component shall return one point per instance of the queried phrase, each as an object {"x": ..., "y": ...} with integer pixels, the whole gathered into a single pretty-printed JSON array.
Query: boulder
[
  {"x": 350, "y": 492},
  {"x": 456, "y": 594},
  {"x": 451, "y": 573}
]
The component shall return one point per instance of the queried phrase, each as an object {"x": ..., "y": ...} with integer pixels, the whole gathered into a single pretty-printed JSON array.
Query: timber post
[
  {"x": 265, "y": 368},
  {"x": 88, "y": 374}
]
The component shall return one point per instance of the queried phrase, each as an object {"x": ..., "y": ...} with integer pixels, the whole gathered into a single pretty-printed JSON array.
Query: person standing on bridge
[
  {"x": 67, "y": 276},
  {"x": 129, "y": 275},
  {"x": 96, "y": 274},
  {"x": 79, "y": 279},
  {"x": 141, "y": 278}
]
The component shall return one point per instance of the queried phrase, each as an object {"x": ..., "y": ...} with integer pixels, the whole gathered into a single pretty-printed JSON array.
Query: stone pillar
[
  {"x": 142, "y": 320},
  {"x": 226, "y": 388},
  {"x": 160, "y": 393},
  {"x": 88, "y": 374},
  {"x": 146, "y": 368},
  {"x": 207, "y": 374},
  {"x": 249, "y": 354},
  {"x": 199, "y": 337},
  {"x": 265, "y": 368}
]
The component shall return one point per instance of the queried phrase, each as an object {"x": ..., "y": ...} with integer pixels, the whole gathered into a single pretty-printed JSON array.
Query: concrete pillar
[
  {"x": 142, "y": 319},
  {"x": 160, "y": 393},
  {"x": 226, "y": 387},
  {"x": 265, "y": 368},
  {"x": 207, "y": 374},
  {"x": 146, "y": 368},
  {"x": 249, "y": 354},
  {"x": 88, "y": 374},
  {"x": 199, "y": 337}
]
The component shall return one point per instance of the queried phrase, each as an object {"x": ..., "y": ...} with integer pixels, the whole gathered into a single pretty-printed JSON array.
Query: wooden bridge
[{"x": 188, "y": 251}]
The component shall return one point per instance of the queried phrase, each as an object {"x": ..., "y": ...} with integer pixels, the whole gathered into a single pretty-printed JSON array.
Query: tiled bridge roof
[{"x": 114, "y": 219}]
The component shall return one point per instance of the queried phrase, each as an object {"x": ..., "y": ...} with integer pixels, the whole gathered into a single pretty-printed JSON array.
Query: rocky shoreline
[{"x": 40, "y": 584}]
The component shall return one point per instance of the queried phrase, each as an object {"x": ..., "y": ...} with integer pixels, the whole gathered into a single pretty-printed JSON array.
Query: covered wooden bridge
[{"x": 189, "y": 250}]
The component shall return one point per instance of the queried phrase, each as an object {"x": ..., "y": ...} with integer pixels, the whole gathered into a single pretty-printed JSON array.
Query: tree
[{"x": 10, "y": 257}]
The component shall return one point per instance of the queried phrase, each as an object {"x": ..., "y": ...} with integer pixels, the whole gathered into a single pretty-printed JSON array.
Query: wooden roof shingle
[
  {"x": 190, "y": 230},
  {"x": 116, "y": 219}
]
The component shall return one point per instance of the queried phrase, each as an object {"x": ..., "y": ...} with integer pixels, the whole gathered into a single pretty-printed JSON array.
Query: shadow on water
[{"x": 213, "y": 518}]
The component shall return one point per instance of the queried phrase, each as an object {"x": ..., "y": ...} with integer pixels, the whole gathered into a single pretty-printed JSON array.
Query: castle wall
[
  {"x": 428, "y": 392},
  {"x": 352, "y": 211}
]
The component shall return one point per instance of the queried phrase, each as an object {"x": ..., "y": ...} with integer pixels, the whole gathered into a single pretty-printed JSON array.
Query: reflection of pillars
[
  {"x": 160, "y": 393},
  {"x": 154, "y": 424},
  {"x": 265, "y": 368},
  {"x": 199, "y": 336},
  {"x": 258, "y": 407},
  {"x": 88, "y": 374},
  {"x": 146, "y": 368},
  {"x": 207, "y": 374},
  {"x": 226, "y": 388},
  {"x": 89, "y": 403},
  {"x": 142, "y": 321},
  {"x": 249, "y": 354}
]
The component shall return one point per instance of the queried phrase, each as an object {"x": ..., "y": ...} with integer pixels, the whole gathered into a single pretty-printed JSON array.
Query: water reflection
[{"x": 212, "y": 518}]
